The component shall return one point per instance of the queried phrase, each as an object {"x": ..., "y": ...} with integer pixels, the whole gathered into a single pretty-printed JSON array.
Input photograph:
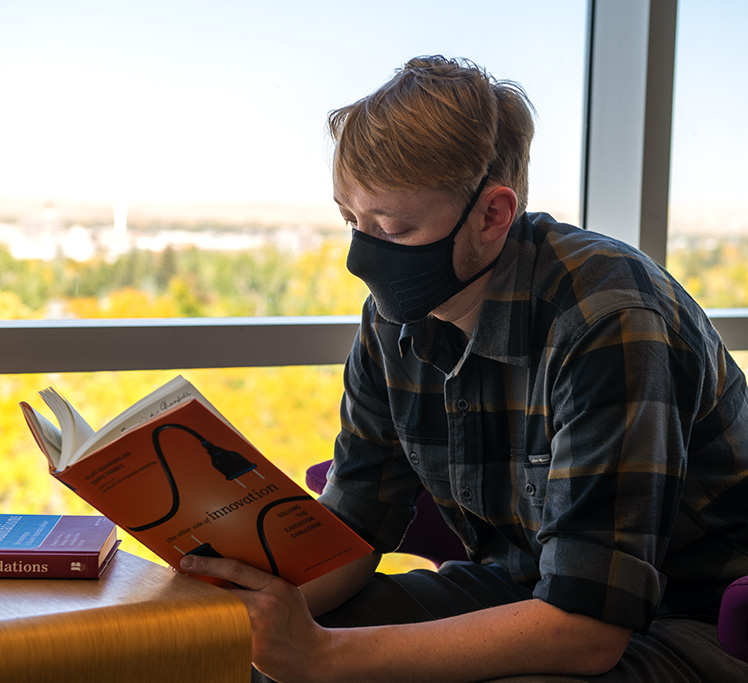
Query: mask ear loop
[
  {"x": 482, "y": 183},
  {"x": 472, "y": 202},
  {"x": 469, "y": 208}
]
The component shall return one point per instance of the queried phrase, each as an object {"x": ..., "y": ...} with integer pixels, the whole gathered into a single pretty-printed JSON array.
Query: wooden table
[{"x": 139, "y": 622}]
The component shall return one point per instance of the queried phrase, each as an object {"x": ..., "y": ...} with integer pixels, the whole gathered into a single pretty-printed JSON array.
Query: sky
[
  {"x": 709, "y": 165},
  {"x": 225, "y": 101}
]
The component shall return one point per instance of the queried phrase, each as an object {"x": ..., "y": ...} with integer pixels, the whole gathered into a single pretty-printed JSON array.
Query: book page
[
  {"x": 75, "y": 430},
  {"x": 170, "y": 395},
  {"x": 47, "y": 435}
]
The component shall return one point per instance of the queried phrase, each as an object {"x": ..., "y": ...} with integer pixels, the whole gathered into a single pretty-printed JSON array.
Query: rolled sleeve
[{"x": 585, "y": 577}]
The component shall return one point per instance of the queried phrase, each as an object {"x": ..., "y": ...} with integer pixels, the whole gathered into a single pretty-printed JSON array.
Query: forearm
[
  {"x": 530, "y": 636},
  {"x": 331, "y": 590},
  {"x": 521, "y": 638}
]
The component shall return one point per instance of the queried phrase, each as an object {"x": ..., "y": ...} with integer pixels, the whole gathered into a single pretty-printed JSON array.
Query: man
[{"x": 568, "y": 406}]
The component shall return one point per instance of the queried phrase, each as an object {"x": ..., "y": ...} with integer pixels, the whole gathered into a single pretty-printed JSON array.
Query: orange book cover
[{"x": 185, "y": 481}]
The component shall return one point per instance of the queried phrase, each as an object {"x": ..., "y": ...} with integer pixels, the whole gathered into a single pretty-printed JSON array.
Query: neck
[{"x": 463, "y": 308}]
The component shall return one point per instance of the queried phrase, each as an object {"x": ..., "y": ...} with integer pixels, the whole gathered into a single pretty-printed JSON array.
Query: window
[
  {"x": 708, "y": 231},
  {"x": 628, "y": 130},
  {"x": 165, "y": 160}
]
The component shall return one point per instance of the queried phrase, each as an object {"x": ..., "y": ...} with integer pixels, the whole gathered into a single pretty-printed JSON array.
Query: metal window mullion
[
  {"x": 177, "y": 343},
  {"x": 99, "y": 345},
  {"x": 627, "y": 132}
]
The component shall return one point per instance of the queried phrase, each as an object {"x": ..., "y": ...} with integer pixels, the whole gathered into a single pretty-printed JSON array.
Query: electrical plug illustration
[{"x": 229, "y": 463}]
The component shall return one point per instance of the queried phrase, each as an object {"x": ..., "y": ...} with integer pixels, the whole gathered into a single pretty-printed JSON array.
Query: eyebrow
[{"x": 375, "y": 212}]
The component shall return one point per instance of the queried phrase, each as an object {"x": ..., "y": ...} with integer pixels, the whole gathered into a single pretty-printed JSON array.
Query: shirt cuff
[{"x": 588, "y": 578}]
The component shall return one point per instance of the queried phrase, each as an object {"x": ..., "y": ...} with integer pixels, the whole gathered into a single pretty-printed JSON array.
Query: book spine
[{"x": 48, "y": 566}]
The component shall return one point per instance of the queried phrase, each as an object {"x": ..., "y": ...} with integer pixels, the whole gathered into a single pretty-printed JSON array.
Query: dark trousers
[{"x": 675, "y": 650}]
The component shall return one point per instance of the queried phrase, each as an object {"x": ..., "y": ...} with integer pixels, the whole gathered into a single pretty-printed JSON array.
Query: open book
[{"x": 173, "y": 472}]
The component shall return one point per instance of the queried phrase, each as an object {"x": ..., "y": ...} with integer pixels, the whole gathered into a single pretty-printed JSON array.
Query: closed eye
[
  {"x": 385, "y": 228},
  {"x": 351, "y": 222}
]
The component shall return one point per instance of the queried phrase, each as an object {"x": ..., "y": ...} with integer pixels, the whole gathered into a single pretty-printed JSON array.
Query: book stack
[{"x": 55, "y": 546}]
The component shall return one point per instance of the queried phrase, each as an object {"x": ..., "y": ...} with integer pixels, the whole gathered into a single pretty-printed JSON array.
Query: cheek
[{"x": 466, "y": 255}]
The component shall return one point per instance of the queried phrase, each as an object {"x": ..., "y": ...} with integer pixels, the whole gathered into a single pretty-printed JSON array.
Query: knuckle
[{"x": 235, "y": 567}]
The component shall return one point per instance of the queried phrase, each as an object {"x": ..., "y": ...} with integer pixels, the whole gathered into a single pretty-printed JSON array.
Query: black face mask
[{"x": 408, "y": 282}]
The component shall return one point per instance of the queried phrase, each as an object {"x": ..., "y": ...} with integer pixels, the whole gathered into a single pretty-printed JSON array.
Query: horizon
[
  {"x": 684, "y": 220},
  {"x": 224, "y": 105}
]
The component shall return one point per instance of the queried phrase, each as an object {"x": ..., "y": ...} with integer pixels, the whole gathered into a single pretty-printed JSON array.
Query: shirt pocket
[
  {"x": 429, "y": 458},
  {"x": 534, "y": 479}
]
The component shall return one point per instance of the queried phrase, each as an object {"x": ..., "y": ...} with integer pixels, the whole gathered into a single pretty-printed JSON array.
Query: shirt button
[
  {"x": 530, "y": 489},
  {"x": 414, "y": 458},
  {"x": 467, "y": 495},
  {"x": 463, "y": 404}
]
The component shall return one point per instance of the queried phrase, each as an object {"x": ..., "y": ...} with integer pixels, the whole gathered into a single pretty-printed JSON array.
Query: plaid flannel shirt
[{"x": 592, "y": 437}]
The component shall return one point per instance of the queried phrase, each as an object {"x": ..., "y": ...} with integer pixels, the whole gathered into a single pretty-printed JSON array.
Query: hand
[{"x": 286, "y": 641}]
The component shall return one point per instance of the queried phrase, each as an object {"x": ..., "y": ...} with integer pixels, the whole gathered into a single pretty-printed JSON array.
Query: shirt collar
[{"x": 502, "y": 330}]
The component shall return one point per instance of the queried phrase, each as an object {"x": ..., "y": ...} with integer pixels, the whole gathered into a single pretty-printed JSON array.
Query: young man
[{"x": 571, "y": 410}]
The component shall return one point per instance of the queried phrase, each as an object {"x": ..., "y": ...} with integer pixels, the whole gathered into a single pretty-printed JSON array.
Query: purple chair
[
  {"x": 733, "y": 619},
  {"x": 428, "y": 535}
]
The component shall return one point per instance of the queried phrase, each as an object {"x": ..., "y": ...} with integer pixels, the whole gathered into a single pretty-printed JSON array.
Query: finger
[{"x": 230, "y": 570}]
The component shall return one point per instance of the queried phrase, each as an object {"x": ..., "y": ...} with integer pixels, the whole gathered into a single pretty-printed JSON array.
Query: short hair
[{"x": 436, "y": 124}]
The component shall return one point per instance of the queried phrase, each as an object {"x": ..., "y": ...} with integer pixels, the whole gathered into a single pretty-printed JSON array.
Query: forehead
[{"x": 391, "y": 203}]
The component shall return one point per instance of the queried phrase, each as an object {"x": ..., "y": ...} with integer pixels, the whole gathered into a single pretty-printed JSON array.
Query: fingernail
[{"x": 187, "y": 562}]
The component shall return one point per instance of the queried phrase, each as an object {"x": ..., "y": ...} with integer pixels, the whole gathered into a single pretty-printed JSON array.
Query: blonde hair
[{"x": 436, "y": 124}]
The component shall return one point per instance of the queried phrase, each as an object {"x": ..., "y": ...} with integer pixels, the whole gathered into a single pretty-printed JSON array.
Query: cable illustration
[
  {"x": 261, "y": 531},
  {"x": 229, "y": 463}
]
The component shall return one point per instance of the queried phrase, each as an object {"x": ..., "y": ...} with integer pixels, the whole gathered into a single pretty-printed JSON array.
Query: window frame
[
  {"x": 629, "y": 83},
  {"x": 630, "y": 59}
]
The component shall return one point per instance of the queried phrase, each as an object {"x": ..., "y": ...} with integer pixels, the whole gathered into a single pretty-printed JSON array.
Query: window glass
[
  {"x": 708, "y": 226},
  {"x": 170, "y": 159}
]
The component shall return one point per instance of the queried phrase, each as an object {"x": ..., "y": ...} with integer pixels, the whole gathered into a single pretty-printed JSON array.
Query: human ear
[{"x": 498, "y": 216}]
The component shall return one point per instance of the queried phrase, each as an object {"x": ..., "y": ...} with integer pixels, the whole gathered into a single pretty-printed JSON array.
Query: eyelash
[{"x": 352, "y": 223}]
